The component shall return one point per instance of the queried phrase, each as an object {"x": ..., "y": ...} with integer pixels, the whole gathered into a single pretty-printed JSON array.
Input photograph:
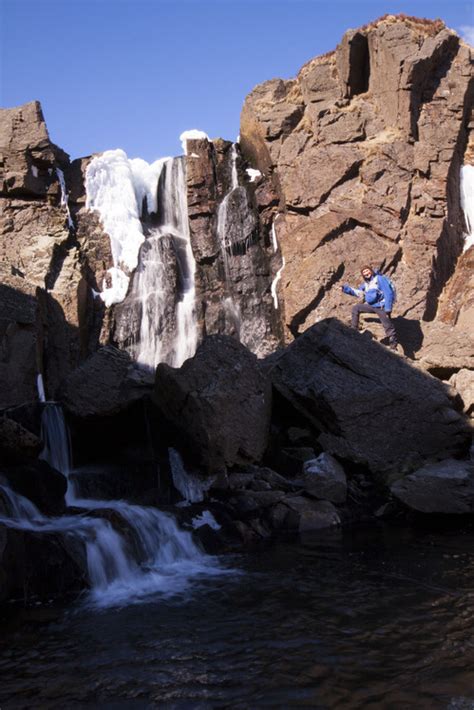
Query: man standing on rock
[{"x": 378, "y": 294}]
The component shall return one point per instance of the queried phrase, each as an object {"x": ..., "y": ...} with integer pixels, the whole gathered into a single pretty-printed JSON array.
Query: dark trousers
[{"x": 385, "y": 319}]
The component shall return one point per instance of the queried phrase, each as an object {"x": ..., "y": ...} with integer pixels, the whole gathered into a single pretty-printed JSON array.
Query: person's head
[{"x": 367, "y": 272}]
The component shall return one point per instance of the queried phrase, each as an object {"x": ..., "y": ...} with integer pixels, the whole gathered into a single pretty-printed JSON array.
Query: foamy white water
[
  {"x": 117, "y": 188},
  {"x": 163, "y": 560},
  {"x": 40, "y": 388},
  {"x": 152, "y": 276},
  {"x": 192, "y": 488}
]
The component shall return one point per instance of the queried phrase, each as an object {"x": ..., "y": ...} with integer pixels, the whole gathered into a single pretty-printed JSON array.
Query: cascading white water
[
  {"x": 191, "y": 487},
  {"x": 467, "y": 203},
  {"x": 55, "y": 437},
  {"x": 40, "y": 388},
  {"x": 165, "y": 558},
  {"x": 152, "y": 278},
  {"x": 118, "y": 189},
  {"x": 231, "y": 308},
  {"x": 64, "y": 197}
]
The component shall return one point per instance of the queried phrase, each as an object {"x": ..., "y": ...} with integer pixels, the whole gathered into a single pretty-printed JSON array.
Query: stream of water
[{"x": 378, "y": 618}]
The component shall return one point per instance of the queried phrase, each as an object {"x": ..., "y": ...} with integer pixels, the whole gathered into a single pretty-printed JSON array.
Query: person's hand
[{"x": 346, "y": 288}]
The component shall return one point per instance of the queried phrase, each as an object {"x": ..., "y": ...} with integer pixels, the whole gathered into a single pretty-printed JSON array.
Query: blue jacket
[{"x": 376, "y": 292}]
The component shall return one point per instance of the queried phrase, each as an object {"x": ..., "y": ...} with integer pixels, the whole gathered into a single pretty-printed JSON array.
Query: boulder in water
[
  {"x": 219, "y": 401},
  {"x": 39, "y": 566},
  {"x": 443, "y": 487}
]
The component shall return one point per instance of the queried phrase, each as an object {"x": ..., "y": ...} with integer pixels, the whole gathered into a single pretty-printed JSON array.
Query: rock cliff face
[
  {"x": 359, "y": 159},
  {"x": 365, "y": 147},
  {"x": 36, "y": 253}
]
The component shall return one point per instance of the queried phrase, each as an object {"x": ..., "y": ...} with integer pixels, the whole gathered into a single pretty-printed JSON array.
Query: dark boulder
[
  {"x": 324, "y": 478},
  {"x": 37, "y": 481},
  {"x": 105, "y": 384},
  {"x": 369, "y": 405},
  {"x": 40, "y": 566},
  {"x": 443, "y": 487},
  {"x": 219, "y": 402},
  {"x": 17, "y": 444}
]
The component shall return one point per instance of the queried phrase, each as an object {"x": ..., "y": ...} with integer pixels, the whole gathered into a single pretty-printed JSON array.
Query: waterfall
[
  {"x": 64, "y": 197},
  {"x": 467, "y": 203},
  {"x": 224, "y": 219},
  {"x": 40, "y": 387},
  {"x": 273, "y": 288},
  {"x": 191, "y": 487},
  {"x": 119, "y": 189},
  {"x": 157, "y": 557},
  {"x": 55, "y": 437},
  {"x": 164, "y": 282}
]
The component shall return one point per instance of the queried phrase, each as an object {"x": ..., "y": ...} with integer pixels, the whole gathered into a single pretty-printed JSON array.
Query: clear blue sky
[{"x": 134, "y": 74}]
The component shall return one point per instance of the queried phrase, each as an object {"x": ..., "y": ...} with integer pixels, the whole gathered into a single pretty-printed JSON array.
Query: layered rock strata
[{"x": 366, "y": 146}]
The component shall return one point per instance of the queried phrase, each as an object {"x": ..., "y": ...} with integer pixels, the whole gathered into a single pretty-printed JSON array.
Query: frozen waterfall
[
  {"x": 119, "y": 189},
  {"x": 164, "y": 281},
  {"x": 143, "y": 209}
]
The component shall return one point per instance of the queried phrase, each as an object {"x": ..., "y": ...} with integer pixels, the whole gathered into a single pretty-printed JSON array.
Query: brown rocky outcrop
[
  {"x": 369, "y": 405},
  {"x": 360, "y": 158},
  {"x": 219, "y": 402},
  {"x": 366, "y": 145},
  {"x": 230, "y": 227},
  {"x": 38, "y": 260}
]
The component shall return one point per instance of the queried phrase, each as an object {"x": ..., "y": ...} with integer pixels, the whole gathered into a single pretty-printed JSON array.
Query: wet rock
[
  {"x": 306, "y": 514},
  {"x": 135, "y": 482},
  {"x": 17, "y": 443},
  {"x": 219, "y": 402},
  {"x": 369, "y": 405},
  {"x": 40, "y": 566},
  {"x": 443, "y": 487},
  {"x": 38, "y": 482},
  {"x": 324, "y": 478}
]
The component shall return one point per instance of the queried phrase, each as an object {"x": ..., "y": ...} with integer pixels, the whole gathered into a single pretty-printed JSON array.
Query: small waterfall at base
[
  {"x": 191, "y": 487},
  {"x": 161, "y": 559}
]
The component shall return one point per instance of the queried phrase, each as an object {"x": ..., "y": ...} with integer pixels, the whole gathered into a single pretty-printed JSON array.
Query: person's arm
[
  {"x": 357, "y": 292},
  {"x": 387, "y": 293}
]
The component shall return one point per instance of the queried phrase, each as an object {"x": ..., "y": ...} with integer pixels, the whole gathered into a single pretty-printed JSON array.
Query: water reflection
[{"x": 374, "y": 619}]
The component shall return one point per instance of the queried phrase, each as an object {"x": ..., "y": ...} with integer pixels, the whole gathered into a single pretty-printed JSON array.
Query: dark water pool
[{"x": 380, "y": 618}]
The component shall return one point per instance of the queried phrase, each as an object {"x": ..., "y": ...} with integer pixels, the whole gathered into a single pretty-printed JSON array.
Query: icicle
[
  {"x": 191, "y": 487},
  {"x": 275, "y": 283},
  {"x": 64, "y": 197},
  {"x": 40, "y": 388},
  {"x": 467, "y": 203}
]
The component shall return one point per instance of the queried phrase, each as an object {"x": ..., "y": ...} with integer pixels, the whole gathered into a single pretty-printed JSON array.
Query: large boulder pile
[{"x": 369, "y": 405}]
